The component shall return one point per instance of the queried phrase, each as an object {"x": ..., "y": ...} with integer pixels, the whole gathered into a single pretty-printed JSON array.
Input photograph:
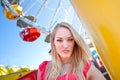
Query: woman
[{"x": 70, "y": 57}]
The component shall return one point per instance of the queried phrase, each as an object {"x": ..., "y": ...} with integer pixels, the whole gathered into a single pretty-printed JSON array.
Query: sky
[{"x": 15, "y": 51}]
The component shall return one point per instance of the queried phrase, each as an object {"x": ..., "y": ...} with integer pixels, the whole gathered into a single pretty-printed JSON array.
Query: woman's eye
[
  {"x": 59, "y": 40},
  {"x": 70, "y": 39}
]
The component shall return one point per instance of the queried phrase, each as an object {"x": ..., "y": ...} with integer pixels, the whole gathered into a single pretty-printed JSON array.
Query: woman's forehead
[{"x": 61, "y": 31}]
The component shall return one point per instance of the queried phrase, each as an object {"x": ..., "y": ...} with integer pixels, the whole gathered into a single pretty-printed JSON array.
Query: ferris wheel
[{"x": 30, "y": 14}]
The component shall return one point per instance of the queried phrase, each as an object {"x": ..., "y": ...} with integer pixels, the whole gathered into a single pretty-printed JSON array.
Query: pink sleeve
[
  {"x": 86, "y": 68},
  {"x": 42, "y": 68}
]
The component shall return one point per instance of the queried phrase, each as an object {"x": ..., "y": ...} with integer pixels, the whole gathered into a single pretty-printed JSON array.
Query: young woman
[{"x": 70, "y": 57}]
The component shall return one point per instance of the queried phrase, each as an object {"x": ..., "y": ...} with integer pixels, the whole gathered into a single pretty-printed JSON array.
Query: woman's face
[{"x": 64, "y": 43}]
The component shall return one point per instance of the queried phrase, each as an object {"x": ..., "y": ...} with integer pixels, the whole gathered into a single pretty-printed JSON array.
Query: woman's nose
[{"x": 65, "y": 44}]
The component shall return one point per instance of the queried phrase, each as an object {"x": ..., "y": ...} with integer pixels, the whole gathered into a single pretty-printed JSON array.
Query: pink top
[{"x": 71, "y": 76}]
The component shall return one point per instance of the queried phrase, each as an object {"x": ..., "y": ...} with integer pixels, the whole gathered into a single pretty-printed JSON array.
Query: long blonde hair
[{"x": 79, "y": 56}]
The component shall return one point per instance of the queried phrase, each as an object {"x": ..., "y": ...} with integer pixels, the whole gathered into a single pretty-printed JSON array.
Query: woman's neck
[
  {"x": 66, "y": 61},
  {"x": 66, "y": 68}
]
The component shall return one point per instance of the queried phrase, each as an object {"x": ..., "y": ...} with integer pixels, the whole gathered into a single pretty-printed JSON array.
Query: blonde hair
[{"x": 79, "y": 56}]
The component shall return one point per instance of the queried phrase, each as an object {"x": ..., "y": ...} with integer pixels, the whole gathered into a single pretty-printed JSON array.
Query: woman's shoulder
[
  {"x": 86, "y": 68},
  {"x": 43, "y": 65},
  {"x": 95, "y": 74}
]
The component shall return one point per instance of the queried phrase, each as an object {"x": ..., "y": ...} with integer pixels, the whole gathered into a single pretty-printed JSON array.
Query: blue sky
[{"x": 15, "y": 51}]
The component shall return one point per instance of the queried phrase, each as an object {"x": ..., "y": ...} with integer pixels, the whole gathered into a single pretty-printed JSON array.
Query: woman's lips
[{"x": 65, "y": 51}]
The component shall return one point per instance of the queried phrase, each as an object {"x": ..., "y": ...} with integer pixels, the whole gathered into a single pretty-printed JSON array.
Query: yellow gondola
[
  {"x": 8, "y": 14},
  {"x": 102, "y": 19}
]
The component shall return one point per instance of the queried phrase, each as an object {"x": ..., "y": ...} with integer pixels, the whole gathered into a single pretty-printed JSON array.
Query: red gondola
[{"x": 30, "y": 34}]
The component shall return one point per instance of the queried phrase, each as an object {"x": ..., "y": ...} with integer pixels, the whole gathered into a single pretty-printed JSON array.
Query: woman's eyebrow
[
  {"x": 67, "y": 37},
  {"x": 59, "y": 37},
  {"x": 70, "y": 37}
]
